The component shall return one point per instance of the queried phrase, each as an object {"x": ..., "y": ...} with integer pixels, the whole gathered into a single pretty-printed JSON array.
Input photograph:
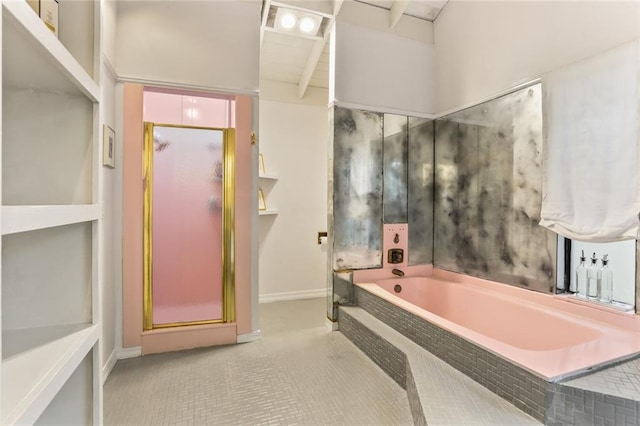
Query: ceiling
[{"x": 292, "y": 57}]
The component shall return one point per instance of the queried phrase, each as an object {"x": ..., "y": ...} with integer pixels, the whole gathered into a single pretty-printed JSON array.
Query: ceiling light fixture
[
  {"x": 294, "y": 21},
  {"x": 288, "y": 20},
  {"x": 307, "y": 25}
]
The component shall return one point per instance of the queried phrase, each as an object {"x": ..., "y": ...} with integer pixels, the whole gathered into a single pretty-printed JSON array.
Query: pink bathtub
[{"x": 548, "y": 335}]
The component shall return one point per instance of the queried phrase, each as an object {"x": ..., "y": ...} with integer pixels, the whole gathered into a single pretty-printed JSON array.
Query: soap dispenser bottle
[
  {"x": 605, "y": 281},
  {"x": 592, "y": 278},
  {"x": 579, "y": 286}
]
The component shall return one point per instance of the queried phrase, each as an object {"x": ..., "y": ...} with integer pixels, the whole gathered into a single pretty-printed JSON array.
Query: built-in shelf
[
  {"x": 36, "y": 364},
  {"x": 612, "y": 306},
  {"x": 50, "y": 245},
  {"x": 30, "y": 218},
  {"x": 34, "y": 58},
  {"x": 268, "y": 212},
  {"x": 268, "y": 176}
]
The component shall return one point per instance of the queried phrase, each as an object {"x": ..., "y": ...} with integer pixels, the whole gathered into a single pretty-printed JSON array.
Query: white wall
[
  {"x": 483, "y": 47},
  {"x": 111, "y": 190},
  {"x": 201, "y": 44},
  {"x": 293, "y": 141},
  {"x": 382, "y": 69},
  {"x": 109, "y": 11}
]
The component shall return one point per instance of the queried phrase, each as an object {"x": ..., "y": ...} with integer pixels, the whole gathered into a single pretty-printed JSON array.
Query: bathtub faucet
[{"x": 397, "y": 272}]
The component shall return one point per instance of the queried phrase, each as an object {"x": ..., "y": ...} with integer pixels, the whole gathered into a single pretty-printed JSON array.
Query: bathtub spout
[{"x": 397, "y": 272}]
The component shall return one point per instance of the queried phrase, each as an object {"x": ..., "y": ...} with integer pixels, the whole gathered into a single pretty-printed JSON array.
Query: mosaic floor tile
[{"x": 299, "y": 373}]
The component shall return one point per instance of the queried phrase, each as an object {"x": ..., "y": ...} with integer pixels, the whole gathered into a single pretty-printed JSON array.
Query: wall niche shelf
[
  {"x": 268, "y": 176},
  {"x": 50, "y": 216},
  {"x": 32, "y": 375},
  {"x": 267, "y": 180},
  {"x": 30, "y": 218}
]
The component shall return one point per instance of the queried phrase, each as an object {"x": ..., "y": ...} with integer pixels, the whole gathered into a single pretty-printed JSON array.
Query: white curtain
[{"x": 591, "y": 183}]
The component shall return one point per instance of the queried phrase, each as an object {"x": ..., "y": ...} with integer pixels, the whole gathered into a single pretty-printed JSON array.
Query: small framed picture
[
  {"x": 109, "y": 147},
  {"x": 262, "y": 205},
  {"x": 261, "y": 169}
]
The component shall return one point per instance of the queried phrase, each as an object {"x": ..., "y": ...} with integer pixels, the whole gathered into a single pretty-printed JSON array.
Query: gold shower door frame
[{"x": 228, "y": 227}]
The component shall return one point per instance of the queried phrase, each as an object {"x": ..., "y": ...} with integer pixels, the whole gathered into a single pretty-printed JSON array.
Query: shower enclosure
[{"x": 188, "y": 225}]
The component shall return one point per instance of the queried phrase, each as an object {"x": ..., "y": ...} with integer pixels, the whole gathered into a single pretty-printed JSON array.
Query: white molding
[
  {"x": 109, "y": 66},
  {"x": 249, "y": 337},
  {"x": 181, "y": 86},
  {"x": 125, "y": 353},
  {"x": 108, "y": 366},
  {"x": 381, "y": 109},
  {"x": 293, "y": 295},
  {"x": 524, "y": 84},
  {"x": 332, "y": 325}
]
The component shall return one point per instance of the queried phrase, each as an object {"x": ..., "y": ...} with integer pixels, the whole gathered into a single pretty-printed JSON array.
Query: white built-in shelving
[
  {"x": 30, "y": 218},
  {"x": 268, "y": 177},
  {"x": 266, "y": 180},
  {"x": 50, "y": 216}
]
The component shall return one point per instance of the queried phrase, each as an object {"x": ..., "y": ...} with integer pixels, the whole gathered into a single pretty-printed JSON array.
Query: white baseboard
[
  {"x": 292, "y": 295},
  {"x": 332, "y": 325},
  {"x": 108, "y": 366},
  {"x": 124, "y": 353},
  {"x": 249, "y": 337}
]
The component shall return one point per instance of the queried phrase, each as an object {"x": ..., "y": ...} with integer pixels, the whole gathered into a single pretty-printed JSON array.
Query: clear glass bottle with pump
[
  {"x": 605, "y": 281},
  {"x": 592, "y": 278},
  {"x": 579, "y": 286}
]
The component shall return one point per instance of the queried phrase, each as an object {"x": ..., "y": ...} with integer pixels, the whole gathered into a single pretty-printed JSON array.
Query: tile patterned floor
[{"x": 299, "y": 373}]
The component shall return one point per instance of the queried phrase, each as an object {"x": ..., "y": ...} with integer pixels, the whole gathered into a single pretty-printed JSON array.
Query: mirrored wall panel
[
  {"x": 488, "y": 183},
  {"x": 395, "y": 169},
  {"x": 420, "y": 191},
  {"x": 357, "y": 189}
]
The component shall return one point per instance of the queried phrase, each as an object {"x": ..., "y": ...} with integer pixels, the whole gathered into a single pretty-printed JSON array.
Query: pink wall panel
[
  {"x": 206, "y": 112},
  {"x": 390, "y": 230},
  {"x": 132, "y": 193},
  {"x": 133, "y": 107},
  {"x": 244, "y": 195},
  {"x": 164, "y": 108}
]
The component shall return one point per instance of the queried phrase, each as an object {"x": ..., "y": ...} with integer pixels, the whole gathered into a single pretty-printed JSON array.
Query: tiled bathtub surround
[
  {"x": 438, "y": 394},
  {"x": 523, "y": 383},
  {"x": 574, "y": 406},
  {"x": 610, "y": 396},
  {"x": 488, "y": 182},
  {"x": 519, "y": 387}
]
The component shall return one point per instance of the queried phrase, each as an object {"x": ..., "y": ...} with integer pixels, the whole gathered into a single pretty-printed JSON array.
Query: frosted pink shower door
[{"x": 187, "y": 225}]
